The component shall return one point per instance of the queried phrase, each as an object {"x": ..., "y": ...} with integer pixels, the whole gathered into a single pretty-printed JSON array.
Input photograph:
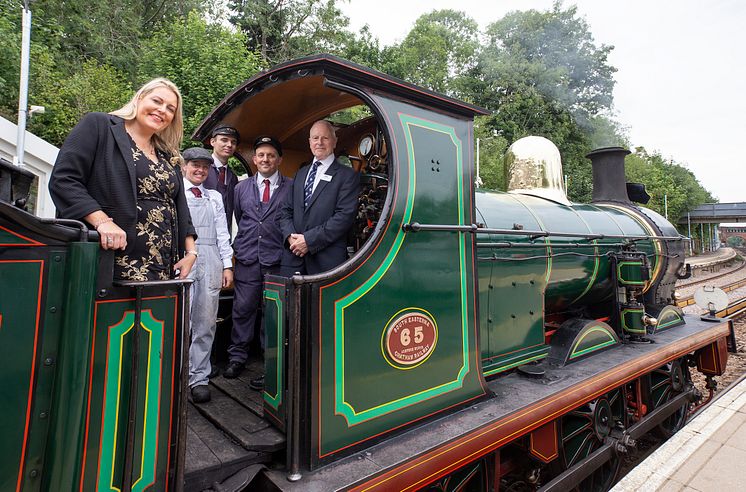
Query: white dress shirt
[
  {"x": 323, "y": 167},
  {"x": 274, "y": 183},
  {"x": 217, "y": 165},
  {"x": 221, "y": 226}
]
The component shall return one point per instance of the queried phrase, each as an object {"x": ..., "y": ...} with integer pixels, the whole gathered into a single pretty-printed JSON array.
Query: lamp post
[
  {"x": 478, "y": 180},
  {"x": 23, "y": 85}
]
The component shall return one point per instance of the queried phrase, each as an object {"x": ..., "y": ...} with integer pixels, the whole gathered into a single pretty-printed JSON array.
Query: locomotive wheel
[
  {"x": 470, "y": 478},
  {"x": 583, "y": 431},
  {"x": 666, "y": 382}
]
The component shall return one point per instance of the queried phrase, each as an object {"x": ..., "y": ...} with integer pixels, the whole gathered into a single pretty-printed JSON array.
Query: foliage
[
  {"x": 666, "y": 181},
  {"x": 492, "y": 147},
  {"x": 543, "y": 75},
  {"x": 280, "y": 30},
  {"x": 554, "y": 52},
  {"x": 364, "y": 48},
  {"x": 66, "y": 99},
  {"x": 10, "y": 59},
  {"x": 439, "y": 51},
  {"x": 735, "y": 242},
  {"x": 107, "y": 31},
  {"x": 205, "y": 60}
]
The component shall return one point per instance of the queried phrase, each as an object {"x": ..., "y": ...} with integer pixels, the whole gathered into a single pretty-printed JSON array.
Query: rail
[
  {"x": 713, "y": 277},
  {"x": 689, "y": 300},
  {"x": 735, "y": 309}
]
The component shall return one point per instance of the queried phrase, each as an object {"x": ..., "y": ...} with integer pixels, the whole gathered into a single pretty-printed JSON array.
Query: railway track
[
  {"x": 689, "y": 300},
  {"x": 734, "y": 311},
  {"x": 741, "y": 267}
]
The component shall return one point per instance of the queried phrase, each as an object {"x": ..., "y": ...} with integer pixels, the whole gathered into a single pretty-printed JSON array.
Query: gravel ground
[{"x": 687, "y": 288}]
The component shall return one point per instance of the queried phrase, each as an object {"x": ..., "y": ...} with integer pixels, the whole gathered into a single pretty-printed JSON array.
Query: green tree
[
  {"x": 66, "y": 99},
  {"x": 205, "y": 60},
  {"x": 555, "y": 52},
  {"x": 666, "y": 181},
  {"x": 364, "y": 48},
  {"x": 492, "y": 149},
  {"x": 280, "y": 30},
  {"x": 543, "y": 75},
  {"x": 439, "y": 51},
  {"x": 735, "y": 242},
  {"x": 109, "y": 32}
]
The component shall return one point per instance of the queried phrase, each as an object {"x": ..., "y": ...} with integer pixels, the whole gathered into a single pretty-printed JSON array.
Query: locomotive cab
[{"x": 285, "y": 106}]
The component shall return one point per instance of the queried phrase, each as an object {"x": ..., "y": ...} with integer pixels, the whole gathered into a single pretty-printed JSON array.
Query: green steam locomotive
[{"x": 474, "y": 340}]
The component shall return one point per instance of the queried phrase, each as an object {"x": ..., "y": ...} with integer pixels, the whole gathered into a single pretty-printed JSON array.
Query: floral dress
[{"x": 154, "y": 252}]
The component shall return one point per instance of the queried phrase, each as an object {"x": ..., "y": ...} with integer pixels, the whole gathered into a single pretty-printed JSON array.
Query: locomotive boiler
[{"x": 473, "y": 339}]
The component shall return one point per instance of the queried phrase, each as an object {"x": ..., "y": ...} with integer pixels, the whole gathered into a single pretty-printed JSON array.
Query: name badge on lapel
[{"x": 325, "y": 177}]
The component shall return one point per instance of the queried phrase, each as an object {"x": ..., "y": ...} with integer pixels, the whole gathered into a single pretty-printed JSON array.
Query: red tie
[
  {"x": 221, "y": 181},
  {"x": 265, "y": 196},
  {"x": 196, "y": 192}
]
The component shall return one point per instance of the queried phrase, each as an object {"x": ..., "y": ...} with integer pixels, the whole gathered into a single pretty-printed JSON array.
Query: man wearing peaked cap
[
  {"x": 224, "y": 141},
  {"x": 258, "y": 247},
  {"x": 267, "y": 140},
  {"x": 213, "y": 269}
]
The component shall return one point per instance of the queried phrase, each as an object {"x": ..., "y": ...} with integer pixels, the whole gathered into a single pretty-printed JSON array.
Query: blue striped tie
[{"x": 308, "y": 189}]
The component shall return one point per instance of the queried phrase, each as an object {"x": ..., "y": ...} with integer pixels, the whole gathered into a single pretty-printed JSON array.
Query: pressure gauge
[{"x": 365, "y": 147}]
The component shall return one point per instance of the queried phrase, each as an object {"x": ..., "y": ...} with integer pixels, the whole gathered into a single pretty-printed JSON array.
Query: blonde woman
[{"x": 118, "y": 172}]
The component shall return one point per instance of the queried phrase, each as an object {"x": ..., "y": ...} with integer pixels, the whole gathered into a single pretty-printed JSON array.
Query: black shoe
[
  {"x": 233, "y": 370},
  {"x": 200, "y": 394},
  {"x": 214, "y": 372},
  {"x": 257, "y": 384}
]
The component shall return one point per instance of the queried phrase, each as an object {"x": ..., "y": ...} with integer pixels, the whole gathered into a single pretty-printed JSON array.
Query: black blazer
[
  {"x": 325, "y": 223},
  {"x": 231, "y": 180},
  {"x": 94, "y": 171}
]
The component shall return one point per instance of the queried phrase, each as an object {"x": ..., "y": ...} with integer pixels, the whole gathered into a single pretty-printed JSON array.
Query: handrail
[
  {"x": 64, "y": 230},
  {"x": 475, "y": 229},
  {"x": 152, "y": 283}
]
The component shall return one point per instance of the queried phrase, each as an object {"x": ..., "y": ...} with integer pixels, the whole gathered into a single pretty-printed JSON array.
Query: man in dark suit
[
  {"x": 257, "y": 247},
  {"x": 321, "y": 209},
  {"x": 224, "y": 142}
]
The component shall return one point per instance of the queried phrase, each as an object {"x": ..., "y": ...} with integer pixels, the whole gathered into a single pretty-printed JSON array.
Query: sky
[{"x": 681, "y": 80}]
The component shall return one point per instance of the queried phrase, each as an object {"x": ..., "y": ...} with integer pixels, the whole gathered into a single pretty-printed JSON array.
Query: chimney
[{"x": 609, "y": 182}]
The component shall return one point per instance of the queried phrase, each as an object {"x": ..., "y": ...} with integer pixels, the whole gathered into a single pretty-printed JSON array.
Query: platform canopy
[{"x": 715, "y": 213}]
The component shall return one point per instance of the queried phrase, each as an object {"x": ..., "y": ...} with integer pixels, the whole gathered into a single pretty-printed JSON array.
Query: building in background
[
  {"x": 39, "y": 157},
  {"x": 733, "y": 235}
]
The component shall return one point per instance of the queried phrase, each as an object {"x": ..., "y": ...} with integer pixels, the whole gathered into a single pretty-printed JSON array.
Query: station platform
[
  {"x": 711, "y": 258},
  {"x": 709, "y": 453}
]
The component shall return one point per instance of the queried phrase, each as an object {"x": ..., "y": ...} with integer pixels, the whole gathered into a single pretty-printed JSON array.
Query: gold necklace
[{"x": 150, "y": 152}]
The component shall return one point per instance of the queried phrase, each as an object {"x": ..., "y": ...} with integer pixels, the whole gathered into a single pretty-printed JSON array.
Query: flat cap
[
  {"x": 226, "y": 130},
  {"x": 267, "y": 140},
  {"x": 196, "y": 154}
]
